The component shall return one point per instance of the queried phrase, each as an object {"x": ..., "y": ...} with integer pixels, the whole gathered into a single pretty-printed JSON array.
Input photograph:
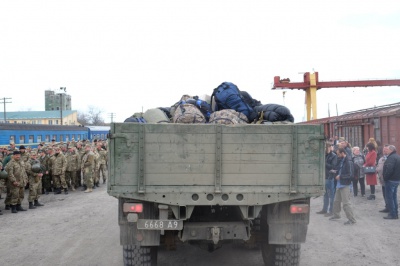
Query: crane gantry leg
[{"x": 311, "y": 98}]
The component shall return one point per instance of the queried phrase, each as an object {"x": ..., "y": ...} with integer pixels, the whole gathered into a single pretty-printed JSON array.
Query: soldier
[
  {"x": 102, "y": 162},
  {"x": 73, "y": 160},
  {"x": 46, "y": 179},
  {"x": 16, "y": 181},
  {"x": 52, "y": 143},
  {"x": 87, "y": 167},
  {"x": 7, "y": 157},
  {"x": 64, "y": 149},
  {"x": 2, "y": 182},
  {"x": 81, "y": 151},
  {"x": 6, "y": 160},
  {"x": 59, "y": 166},
  {"x": 73, "y": 143},
  {"x": 96, "y": 171},
  {"x": 12, "y": 146},
  {"x": 24, "y": 154},
  {"x": 35, "y": 181},
  {"x": 50, "y": 162}
]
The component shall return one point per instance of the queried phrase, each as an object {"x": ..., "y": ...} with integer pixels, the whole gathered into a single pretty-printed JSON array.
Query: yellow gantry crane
[{"x": 311, "y": 84}]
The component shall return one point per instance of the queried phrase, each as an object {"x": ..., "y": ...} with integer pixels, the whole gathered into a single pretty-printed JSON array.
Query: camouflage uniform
[
  {"x": 81, "y": 152},
  {"x": 87, "y": 167},
  {"x": 46, "y": 178},
  {"x": 50, "y": 163},
  {"x": 35, "y": 182},
  {"x": 16, "y": 182},
  {"x": 102, "y": 161},
  {"x": 73, "y": 161},
  {"x": 24, "y": 156},
  {"x": 59, "y": 166},
  {"x": 96, "y": 172},
  {"x": 2, "y": 181}
]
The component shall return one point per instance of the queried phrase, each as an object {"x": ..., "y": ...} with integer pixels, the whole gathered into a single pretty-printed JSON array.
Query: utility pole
[
  {"x": 4, "y": 101},
  {"x": 61, "y": 102},
  {"x": 112, "y": 115}
]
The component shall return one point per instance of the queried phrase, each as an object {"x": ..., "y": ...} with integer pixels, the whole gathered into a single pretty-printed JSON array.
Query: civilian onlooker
[
  {"x": 358, "y": 159},
  {"x": 342, "y": 194},
  {"x": 371, "y": 140},
  {"x": 379, "y": 151},
  {"x": 370, "y": 160},
  {"x": 336, "y": 141},
  {"x": 379, "y": 171},
  {"x": 346, "y": 146},
  {"x": 391, "y": 175},
  {"x": 330, "y": 173}
]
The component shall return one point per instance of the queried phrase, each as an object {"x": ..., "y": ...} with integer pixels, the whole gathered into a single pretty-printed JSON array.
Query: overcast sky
[{"x": 122, "y": 56}]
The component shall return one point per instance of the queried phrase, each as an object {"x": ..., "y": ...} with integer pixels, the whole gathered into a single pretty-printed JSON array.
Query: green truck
[{"x": 211, "y": 184}]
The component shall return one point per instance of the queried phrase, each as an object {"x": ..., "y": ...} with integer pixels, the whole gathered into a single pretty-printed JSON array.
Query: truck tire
[
  {"x": 139, "y": 256},
  {"x": 281, "y": 255}
]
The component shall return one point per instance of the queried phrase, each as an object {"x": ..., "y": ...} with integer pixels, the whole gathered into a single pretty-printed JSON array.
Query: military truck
[{"x": 211, "y": 184}]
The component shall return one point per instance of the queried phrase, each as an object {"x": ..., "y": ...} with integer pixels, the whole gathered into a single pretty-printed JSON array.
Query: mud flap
[{"x": 283, "y": 226}]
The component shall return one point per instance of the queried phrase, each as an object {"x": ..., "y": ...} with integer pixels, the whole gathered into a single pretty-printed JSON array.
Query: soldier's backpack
[
  {"x": 274, "y": 112},
  {"x": 228, "y": 117},
  {"x": 155, "y": 115},
  {"x": 227, "y": 96},
  {"x": 187, "y": 113},
  {"x": 167, "y": 111},
  {"x": 133, "y": 119},
  {"x": 182, "y": 100},
  {"x": 250, "y": 100},
  {"x": 203, "y": 106}
]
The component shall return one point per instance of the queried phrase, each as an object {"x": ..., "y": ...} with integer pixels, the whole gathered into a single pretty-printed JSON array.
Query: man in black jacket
[
  {"x": 330, "y": 173},
  {"x": 342, "y": 194},
  {"x": 391, "y": 175}
]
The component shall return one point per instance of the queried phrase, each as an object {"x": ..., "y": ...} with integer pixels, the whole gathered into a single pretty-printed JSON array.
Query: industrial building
[{"x": 56, "y": 101}]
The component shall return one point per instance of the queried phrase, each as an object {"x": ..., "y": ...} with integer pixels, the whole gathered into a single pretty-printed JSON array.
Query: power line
[{"x": 4, "y": 101}]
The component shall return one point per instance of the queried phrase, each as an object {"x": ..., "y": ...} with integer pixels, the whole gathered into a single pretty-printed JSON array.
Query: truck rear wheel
[
  {"x": 139, "y": 256},
  {"x": 281, "y": 255}
]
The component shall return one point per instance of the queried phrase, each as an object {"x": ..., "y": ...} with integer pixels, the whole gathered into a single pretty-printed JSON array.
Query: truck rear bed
[{"x": 204, "y": 164}]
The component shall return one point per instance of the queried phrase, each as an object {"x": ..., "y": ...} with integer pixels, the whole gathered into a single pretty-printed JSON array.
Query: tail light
[
  {"x": 133, "y": 207},
  {"x": 299, "y": 208}
]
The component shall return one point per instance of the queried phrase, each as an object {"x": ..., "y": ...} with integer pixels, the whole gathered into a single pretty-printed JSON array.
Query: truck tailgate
[{"x": 205, "y": 158}]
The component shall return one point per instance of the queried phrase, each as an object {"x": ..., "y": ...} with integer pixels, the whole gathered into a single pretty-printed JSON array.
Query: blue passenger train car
[
  {"x": 32, "y": 135},
  {"x": 98, "y": 132}
]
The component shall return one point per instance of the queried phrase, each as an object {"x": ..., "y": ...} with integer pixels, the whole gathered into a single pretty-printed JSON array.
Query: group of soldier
[{"x": 52, "y": 167}]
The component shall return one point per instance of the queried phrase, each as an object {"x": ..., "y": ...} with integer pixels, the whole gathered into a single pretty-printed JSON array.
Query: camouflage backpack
[
  {"x": 228, "y": 117},
  {"x": 188, "y": 114},
  {"x": 175, "y": 106}
]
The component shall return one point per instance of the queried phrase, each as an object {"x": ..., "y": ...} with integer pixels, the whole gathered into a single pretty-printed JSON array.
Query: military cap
[
  {"x": 33, "y": 153},
  {"x": 16, "y": 152},
  {"x": 22, "y": 147}
]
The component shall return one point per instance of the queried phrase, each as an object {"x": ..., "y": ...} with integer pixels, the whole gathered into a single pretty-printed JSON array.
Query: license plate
[{"x": 160, "y": 224}]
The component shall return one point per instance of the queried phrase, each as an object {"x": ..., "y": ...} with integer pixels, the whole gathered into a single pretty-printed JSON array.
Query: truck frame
[{"x": 209, "y": 184}]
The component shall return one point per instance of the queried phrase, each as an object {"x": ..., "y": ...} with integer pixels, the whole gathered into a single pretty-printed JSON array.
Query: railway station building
[{"x": 69, "y": 117}]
